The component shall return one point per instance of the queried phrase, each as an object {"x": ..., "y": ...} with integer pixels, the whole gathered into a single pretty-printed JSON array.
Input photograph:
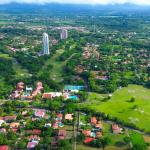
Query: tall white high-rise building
[
  {"x": 45, "y": 44},
  {"x": 64, "y": 34}
]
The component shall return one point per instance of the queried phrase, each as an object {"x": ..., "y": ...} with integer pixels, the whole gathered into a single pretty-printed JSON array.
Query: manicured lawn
[{"x": 119, "y": 105}]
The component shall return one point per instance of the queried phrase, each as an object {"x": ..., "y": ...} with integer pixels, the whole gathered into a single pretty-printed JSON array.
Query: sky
[{"x": 139, "y": 2}]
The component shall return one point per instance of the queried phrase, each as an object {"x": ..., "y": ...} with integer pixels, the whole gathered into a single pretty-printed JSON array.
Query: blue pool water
[
  {"x": 72, "y": 87},
  {"x": 73, "y": 97}
]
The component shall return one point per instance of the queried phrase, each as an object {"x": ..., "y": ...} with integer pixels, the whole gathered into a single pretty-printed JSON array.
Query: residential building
[
  {"x": 64, "y": 34},
  {"x": 45, "y": 44}
]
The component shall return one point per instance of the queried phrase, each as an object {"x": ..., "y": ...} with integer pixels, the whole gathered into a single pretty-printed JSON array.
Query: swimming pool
[{"x": 73, "y": 97}]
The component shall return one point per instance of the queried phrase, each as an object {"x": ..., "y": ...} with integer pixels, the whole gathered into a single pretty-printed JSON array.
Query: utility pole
[
  {"x": 75, "y": 133},
  {"x": 78, "y": 121}
]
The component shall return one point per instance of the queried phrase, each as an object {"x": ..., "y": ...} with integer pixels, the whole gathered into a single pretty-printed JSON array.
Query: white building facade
[
  {"x": 64, "y": 34},
  {"x": 46, "y": 44}
]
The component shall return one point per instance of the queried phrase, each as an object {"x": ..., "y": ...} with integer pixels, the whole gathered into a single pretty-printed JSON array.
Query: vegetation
[{"x": 107, "y": 52}]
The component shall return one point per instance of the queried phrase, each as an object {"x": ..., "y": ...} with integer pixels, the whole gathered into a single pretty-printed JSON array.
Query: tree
[
  {"x": 127, "y": 140},
  {"x": 83, "y": 96},
  {"x": 47, "y": 132},
  {"x": 54, "y": 105},
  {"x": 3, "y": 139},
  {"x": 20, "y": 116},
  {"x": 105, "y": 141},
  {"x": 70, "y": 108},
  {"x": 138, "y": 142},
  {"x": 11, "y": 135},
  {"x": 21, "y": 144},
  {"x": 80, "y": 138},
  {"x": 64, "y": 145}
]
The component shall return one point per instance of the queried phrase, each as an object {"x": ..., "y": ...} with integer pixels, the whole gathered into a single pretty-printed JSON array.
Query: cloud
[{"x": 140, "y": 2}]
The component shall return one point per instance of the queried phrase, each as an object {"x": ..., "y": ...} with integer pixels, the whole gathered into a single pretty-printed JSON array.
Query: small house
[
  {"x": 4, "y": 147},
  {"x": 93, "y": 121},
  {"x": 69, "y": 117},
  {"x": 116, "y": 129}
]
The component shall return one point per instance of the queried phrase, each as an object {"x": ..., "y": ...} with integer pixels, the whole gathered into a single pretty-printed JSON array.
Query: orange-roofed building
[
  {"x": 51, "y": 95},
  {"x": 59, "y": 116},
  {"x": 14, "y": 125}
]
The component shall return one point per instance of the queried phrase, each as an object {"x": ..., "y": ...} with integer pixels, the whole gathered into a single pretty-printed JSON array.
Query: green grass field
[
  {"x": 56, "y": 72},
  {"x": 57, "y": 69},
  {"x": 137, "y": 112}
]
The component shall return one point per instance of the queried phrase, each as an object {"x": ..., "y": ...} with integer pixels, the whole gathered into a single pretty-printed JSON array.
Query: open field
[
  {"x": 83, "y": 147},
  {"x": 20, "y": 72},
  {"x": 54, "y": 66},
  {"x": 57, "y": 69},
  {"x": 121, "y": 106}
]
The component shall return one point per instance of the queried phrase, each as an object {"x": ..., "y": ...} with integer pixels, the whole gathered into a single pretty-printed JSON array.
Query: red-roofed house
[
  {"x": 4, "y": 147},
  {"x": 61, "y": 134},
  {"x": 116, "y": 129},
  {"x": 7, "y": 118},
  {"x": 88, "y": 140},
  {"x": 36, "y": 131},
  {"x": 14, "y": 129},
  {"x": 59, "y": 116},
  {"x": 39, "y": 113},
  {"x": 55, "y": 125},
  {"x": 86, "y": 132}
]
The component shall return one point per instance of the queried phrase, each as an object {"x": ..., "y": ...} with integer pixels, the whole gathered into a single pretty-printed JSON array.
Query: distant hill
[{"x": 75, "y": 9}]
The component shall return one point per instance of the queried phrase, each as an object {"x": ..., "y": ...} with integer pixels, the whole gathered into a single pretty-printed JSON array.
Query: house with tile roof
[{"x": 4, "y": 147}]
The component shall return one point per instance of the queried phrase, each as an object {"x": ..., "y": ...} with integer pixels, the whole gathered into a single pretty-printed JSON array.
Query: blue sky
[{"x": 140, "y": 2}]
